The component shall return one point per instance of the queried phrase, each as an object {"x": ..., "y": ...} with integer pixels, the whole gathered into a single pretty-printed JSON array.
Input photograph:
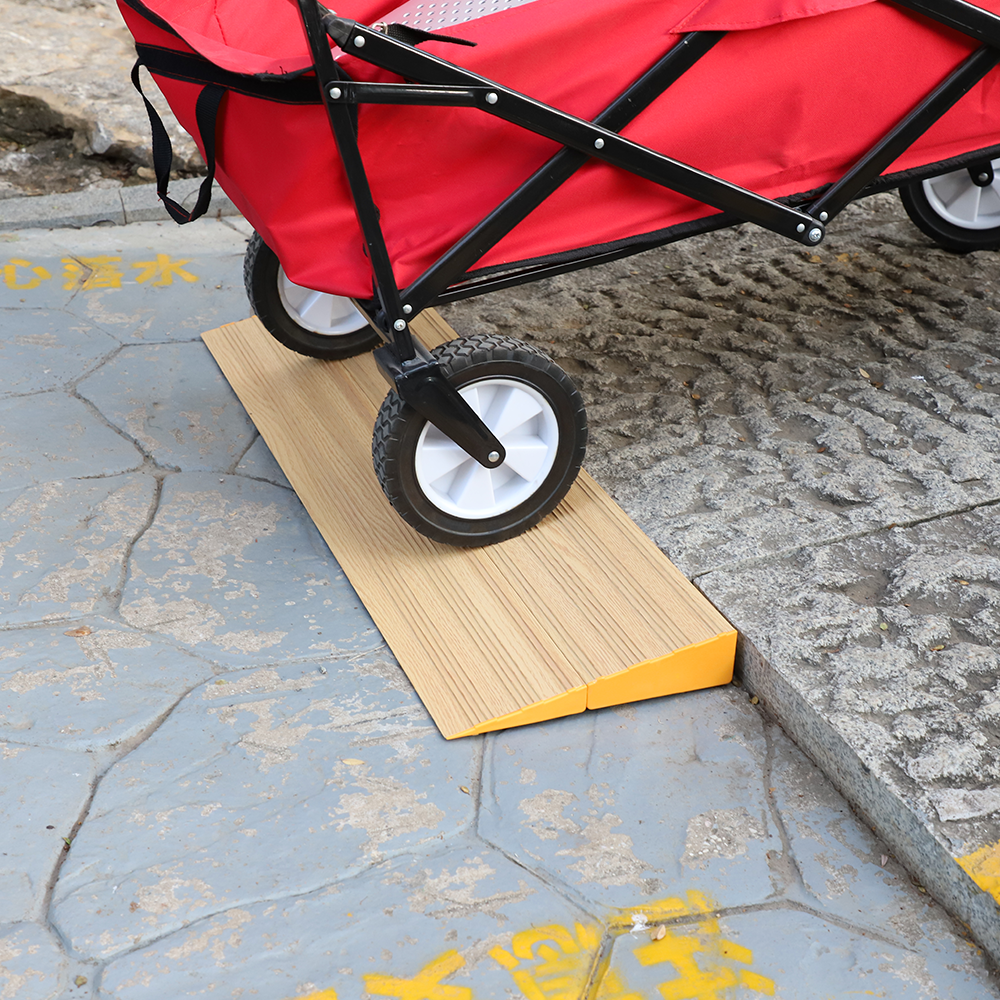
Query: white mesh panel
[{"x": 431, "y": 16}]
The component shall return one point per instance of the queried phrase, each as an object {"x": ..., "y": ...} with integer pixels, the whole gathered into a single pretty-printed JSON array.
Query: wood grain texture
[{"x": 489, "y": 637}]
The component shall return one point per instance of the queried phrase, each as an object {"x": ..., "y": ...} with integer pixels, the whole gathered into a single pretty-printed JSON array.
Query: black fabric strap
[
  {"x": 206, "y": 112},
  {"x": 286, "y": 88}
]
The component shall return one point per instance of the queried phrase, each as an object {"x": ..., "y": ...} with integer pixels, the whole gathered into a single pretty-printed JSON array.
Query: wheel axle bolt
[
  {"x": 493, "y": 456},
  {"x": 983, "y": 178},
  {"x": 815, "y": 235}
]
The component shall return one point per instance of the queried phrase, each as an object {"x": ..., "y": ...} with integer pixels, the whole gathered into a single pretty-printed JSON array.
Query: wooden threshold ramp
[{"x": 582, "y": 611}]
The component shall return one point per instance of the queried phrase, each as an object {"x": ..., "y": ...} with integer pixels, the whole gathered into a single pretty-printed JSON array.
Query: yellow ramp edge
[
  {"x": 571, "y": 703},
  {"x": 702, "y": 665},
  {"x": 581, "y": 611}
]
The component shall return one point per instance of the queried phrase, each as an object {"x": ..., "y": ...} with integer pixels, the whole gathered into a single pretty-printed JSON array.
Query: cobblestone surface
[{"x": 215, "y": 778}]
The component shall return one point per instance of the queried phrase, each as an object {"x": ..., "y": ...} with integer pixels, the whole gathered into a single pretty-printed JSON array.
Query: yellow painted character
[
  {"x": 10, "y": 275},
  {"x": 164, "y": 269},
  {"x": 426, "y": 985},
  {"x": 704, "y": 980},
  {"x": 91, "y": 272},
  {"x": 551, "y": 963}
]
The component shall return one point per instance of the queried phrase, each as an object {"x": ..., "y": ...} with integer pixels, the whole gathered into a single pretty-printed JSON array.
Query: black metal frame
[{"x": 405, "y": 364}]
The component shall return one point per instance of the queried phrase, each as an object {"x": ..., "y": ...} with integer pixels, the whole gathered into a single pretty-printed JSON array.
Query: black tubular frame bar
[
  {"x": 548, "y": 178},
  {"x": 576, "y": 133},
  {"x": 342, "y": 124},
  {"x": 839, "y": 195},
  {"x": 435, "y": 81},
  {"x": 964, "y": 17}
]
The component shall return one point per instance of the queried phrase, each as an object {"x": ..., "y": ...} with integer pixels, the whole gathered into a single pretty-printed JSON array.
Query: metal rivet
[
  {"x": 815, "y": 235},
  {"x": 598, "y": 144},
  {"x": 493, "y": 456},
  {"x": 359, "y": 41},
  {"x": 399, "y": 326},
  {"x": 823, "y": 216},
  {"x": 800, "y": 228},
  {"x": 407, "y": 310},
  {"x": 491, "y": 98},
  {"x": 335, "y": 93},
  {"x": 983, "y": 178}
]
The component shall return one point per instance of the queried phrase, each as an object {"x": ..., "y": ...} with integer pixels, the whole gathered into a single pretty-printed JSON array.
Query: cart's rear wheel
[
  {"x": 955, "y": 211},
  {"x": 534, "y": 409},
  {"x": 310, "y": 322}
]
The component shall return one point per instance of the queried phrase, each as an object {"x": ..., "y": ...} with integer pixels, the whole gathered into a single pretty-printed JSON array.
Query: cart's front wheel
[
  {"x": 305, "y": 320},
  {"x": 532, "y": 407},
  {"x": 959, "y": 210}
]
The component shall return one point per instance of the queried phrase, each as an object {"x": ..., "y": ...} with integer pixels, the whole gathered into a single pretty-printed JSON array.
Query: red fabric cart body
[{"x": 783, "y": 105}]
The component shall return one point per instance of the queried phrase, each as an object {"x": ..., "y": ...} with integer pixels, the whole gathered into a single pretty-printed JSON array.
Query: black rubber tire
[
  {"x": 260, "y": 276},
  {"x": 945, "y": 234},
  {"x": 474, "y": 359}
]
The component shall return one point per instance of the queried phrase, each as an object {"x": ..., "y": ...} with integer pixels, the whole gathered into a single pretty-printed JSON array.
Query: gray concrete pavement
[{"x": 217, "y": 780}]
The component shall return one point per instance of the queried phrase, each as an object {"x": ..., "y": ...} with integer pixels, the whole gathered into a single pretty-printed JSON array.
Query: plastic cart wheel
[
  {"x": 955, "y": 211},
  {"x": 309, "y": 322},
  {"x": 528, "y": 402}
]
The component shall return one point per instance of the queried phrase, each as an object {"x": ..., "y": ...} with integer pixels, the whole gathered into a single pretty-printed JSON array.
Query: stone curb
[
  {"x": 117, "y": 206},
  {"x": 897, "y": 822}
]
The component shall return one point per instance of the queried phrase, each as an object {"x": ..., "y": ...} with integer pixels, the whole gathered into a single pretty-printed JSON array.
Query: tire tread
[{"x": 395, "y": 414}]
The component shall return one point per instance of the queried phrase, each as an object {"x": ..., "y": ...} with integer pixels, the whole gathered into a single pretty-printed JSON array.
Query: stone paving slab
[
  {"x": 80, "y": 208},
  {"x": 44, "y": 792},
  {"x": 47, "y": 350},
  {"x": 466, "y": 898},
  {"x": 259, "y": 786},
  {"x": 235, "y": 570},
  {"x": 32, "y": 965},
  {"x": 57, "y": 437},
  {"x": 574, "y": 830},
  {"x": 375, "y": 874},
  {"x": 65, "y": 543},
  {"x": 156, "y": 395},
  {"x": 794, "y": 947},
  {"x": 113, "y": 686},
  {"x": 257, "y": 804}
]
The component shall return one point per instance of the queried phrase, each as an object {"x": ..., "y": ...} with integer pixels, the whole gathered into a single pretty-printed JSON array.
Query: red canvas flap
[
  {"x": 265, "y": 36},
  {"x": 249, "y": 36},
  {"x": 741, "y": 15}
]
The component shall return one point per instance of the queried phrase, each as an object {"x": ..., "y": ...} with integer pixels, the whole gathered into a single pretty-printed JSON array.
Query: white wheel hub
[
  {"x": 318, "y": 312},
  {"x": 523, "y": 420},
  {"x": 962, "y": 202}
]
